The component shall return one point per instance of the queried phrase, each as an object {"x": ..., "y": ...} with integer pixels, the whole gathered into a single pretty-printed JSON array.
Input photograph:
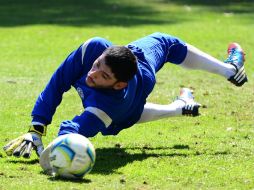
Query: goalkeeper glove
[{"x": 23, "y": 145}]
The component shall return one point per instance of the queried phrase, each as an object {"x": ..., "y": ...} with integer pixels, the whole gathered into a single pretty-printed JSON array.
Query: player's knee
[{"x": 177, "y": 52}]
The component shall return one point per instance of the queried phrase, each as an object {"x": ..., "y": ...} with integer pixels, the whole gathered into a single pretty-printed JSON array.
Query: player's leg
[
  {"x": 183, "y": 105},
  {"x": 159, "y": 48},
  {"x": 155, "y": 50},
  {"x": 197, "y": 59},
  {"x": 165, "y": 48},
  {"x": 232, "y": 69}
]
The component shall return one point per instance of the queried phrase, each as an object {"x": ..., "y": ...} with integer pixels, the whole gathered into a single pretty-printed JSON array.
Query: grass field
[{"x": 212, "y": 151}]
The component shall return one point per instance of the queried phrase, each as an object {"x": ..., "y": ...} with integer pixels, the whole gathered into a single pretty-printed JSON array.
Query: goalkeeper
[{"x": 113, "y": 83}]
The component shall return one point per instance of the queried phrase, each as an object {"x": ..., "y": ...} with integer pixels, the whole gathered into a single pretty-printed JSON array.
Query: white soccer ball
[{"x": 71, "y": 156}]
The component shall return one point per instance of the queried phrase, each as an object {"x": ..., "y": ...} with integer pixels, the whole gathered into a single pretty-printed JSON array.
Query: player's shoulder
[
  {"x": 97, "y": 43},
  {"x": 93, "y": 48}
]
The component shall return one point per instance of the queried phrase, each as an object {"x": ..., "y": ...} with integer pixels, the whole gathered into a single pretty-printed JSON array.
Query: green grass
[{"x": 213, "y": 151}]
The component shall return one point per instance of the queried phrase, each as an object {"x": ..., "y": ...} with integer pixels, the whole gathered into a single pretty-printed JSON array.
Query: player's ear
[{"x": 120, "y": 85}]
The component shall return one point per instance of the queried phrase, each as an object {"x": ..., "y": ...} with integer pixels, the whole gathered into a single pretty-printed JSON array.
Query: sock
[
  {"x": 196, "y": 59},
  {"x": 153, "y": 112}
]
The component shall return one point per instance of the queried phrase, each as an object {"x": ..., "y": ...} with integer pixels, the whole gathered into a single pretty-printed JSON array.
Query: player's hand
[{"x": 23, "y": 145}]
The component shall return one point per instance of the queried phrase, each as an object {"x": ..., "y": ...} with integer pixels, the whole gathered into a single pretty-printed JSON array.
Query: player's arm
[
  {"x": 66, "y": 74},
  {"x": 76, "y": 64},
  {"x": 89, "y": 123},
  {"x": 62, "y": 79}
]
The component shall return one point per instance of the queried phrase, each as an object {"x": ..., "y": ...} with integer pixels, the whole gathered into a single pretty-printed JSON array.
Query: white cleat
[
  {"x": 236, "y": 57},
  {"x": 191, "y": 108}
]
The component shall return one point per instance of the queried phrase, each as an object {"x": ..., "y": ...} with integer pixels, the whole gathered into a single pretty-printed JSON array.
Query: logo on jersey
[{"x": 80, "y": 92}]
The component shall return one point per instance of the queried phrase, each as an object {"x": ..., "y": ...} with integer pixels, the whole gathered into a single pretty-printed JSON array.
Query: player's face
[{"x": 100, "y": 75}]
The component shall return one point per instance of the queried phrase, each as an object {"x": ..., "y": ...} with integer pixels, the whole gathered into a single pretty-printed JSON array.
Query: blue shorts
[{"x": 159, "y": 48}]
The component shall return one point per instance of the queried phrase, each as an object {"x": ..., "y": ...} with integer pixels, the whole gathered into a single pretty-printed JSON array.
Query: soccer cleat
[
  {"x": 236, "y": 58},
  {"x": 191, "y": 108}
]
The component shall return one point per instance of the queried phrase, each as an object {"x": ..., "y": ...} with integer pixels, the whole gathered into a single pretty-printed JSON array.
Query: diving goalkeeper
[{"x": 114, "y": 82}]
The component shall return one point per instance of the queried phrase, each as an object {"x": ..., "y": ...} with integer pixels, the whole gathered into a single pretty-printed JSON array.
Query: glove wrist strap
[{"x": 40, "y": 129}]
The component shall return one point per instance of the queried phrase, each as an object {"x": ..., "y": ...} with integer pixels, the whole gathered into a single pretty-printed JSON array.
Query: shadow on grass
[
  {"x": 105, "y": 12},
  {"x": 232, "y": 6},
  {"x": 83, "y": 180},
  {"x": 22, "y": 161},
  {"x": 209, "y": 2},
  {"x": 76, "y": 13},
  {"x": 110, "y": 159}
]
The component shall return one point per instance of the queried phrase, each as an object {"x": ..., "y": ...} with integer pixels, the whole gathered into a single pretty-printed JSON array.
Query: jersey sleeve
[
  {"x": 72, "y": 69},
  {"x": 62, "y": 79},
  {"x": 88, "y": 124}
]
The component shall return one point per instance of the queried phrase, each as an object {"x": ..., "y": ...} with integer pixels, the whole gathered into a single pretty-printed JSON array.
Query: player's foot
[
  {"x": 191, "y": 108},
  {"x": 236, "y": 58}
]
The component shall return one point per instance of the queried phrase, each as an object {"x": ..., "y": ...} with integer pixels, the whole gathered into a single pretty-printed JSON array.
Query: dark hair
[{"x": 121, "y": 61}]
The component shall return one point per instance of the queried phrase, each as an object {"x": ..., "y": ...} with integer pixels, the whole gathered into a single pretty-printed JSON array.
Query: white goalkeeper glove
[{"x": 23, "y": 145}]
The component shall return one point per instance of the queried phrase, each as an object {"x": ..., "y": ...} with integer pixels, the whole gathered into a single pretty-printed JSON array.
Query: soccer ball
[{"x": 71, "y": 156}]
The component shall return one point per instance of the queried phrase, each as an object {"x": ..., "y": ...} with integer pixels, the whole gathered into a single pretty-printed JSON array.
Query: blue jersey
[{"x": 107, "y": 110}]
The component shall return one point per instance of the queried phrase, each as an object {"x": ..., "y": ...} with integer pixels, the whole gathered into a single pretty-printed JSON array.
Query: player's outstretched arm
[{"x": 23, "y": 145}]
